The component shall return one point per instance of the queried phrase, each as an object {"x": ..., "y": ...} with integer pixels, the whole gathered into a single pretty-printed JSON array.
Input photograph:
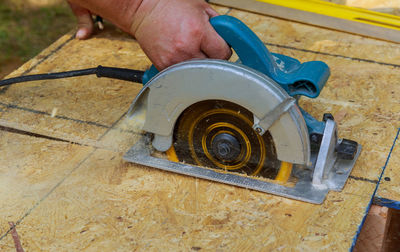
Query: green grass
[{"x": 24, "y": 32}]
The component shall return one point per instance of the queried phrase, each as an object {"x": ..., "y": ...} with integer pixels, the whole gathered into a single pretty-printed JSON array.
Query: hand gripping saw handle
[{"x": 294, "y": 77}]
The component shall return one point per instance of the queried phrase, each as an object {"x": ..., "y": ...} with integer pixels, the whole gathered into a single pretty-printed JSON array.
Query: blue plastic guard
[{"x": 306, "y": 79}]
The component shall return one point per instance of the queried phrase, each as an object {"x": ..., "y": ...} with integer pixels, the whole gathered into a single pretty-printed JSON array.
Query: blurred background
[{"x": 29, "y": 26}]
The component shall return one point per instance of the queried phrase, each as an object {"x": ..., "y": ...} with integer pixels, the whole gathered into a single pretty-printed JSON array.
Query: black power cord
[{"x": 100, "y": 71}]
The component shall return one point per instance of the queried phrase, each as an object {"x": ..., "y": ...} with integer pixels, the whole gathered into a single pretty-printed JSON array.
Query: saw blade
[{"x": 219, "y": 134}]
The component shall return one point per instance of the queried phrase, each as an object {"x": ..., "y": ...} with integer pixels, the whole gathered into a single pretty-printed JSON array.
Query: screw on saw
[{"x": 259, "y": 130}]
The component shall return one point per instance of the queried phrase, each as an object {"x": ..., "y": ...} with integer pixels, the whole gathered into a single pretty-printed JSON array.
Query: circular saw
[{"x": 239, "y": 123}]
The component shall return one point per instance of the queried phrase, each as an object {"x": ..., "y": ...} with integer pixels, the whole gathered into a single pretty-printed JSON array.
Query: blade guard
[
  {"x": 170, "y": 92},
  {"x": 295, "y": 78}
]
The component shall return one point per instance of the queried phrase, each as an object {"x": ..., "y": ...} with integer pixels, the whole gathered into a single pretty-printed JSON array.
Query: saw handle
[{"x": 297, "y": 79}]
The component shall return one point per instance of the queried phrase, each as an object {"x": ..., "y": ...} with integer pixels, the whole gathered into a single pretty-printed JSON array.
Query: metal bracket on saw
[
  {"x": 312, "y": 185},
  {"x": 330, "y": 170}
]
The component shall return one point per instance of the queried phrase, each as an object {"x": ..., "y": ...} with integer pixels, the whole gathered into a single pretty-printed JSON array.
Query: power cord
[{"x": 100, "y": 71}]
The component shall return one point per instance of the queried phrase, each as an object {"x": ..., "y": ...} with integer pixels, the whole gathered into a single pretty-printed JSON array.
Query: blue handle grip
[{"x": 297, "y": 79}]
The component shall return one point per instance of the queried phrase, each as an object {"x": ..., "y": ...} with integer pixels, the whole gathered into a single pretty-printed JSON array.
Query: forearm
[{"x": 120, "y": 12}]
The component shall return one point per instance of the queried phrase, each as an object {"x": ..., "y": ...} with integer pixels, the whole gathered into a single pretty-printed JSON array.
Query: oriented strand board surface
[
  {"x": 100, "y": 202},
  {"x": 388, "y": 193},
  {"x": 93, "y": 200},
  {"x": 84, "y": 108},
  {"x": 30, "y": 169}
]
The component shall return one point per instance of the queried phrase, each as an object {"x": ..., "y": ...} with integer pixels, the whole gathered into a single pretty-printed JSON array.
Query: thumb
[
  {"x": 85, "y": 22},
  {"x": 214, "y": 46}
]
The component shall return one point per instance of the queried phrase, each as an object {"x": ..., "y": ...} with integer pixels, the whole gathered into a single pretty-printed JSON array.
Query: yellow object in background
[
  {"x": 341, "y": 11},
  {"x": 325, "y": 14}
]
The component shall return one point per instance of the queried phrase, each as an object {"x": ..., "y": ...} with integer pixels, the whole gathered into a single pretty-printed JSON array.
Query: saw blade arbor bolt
[{"x": 226, "y": 147}]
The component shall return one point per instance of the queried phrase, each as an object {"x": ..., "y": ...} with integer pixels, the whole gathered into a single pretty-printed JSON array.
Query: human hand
[{"x": 169, "y": 31}]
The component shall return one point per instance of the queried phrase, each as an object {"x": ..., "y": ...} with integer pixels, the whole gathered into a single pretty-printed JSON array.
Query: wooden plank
[
  {"x": 393, "y": 236},
  {"x": 328, "y": 15},
  {"x": 108, "y": 203},
  {"x": 373, "y": 235}
]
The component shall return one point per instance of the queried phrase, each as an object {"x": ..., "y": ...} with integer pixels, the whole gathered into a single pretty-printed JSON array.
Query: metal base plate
[{"x": 304, "y": 190}]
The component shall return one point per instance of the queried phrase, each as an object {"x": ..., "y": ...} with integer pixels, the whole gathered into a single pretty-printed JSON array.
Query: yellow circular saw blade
[{"x": 201, "y": 124}]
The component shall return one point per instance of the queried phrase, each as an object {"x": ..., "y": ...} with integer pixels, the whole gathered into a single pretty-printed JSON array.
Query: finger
[
  {"x": 214, "y": 46},
  {"x": 85, "y": 22},
  {"x": 211, "y": 12}
]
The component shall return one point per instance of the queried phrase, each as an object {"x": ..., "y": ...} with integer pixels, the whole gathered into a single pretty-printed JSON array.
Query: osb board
[
  {"x": 361, "y": 93},
  {"x": 83, "y": 108},
  {"x": 30, "y": 167},
  {"x": 388, "y": 193},
  {"x": 108, "y": 203},
  {"x": 103, "y": 203}
]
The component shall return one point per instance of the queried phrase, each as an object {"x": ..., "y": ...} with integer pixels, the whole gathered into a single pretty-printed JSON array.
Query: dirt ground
[{"x": 29, "y": 26}]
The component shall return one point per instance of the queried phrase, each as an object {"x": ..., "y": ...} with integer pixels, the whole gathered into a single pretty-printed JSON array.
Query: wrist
[{"x": 143, "y": 10}]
